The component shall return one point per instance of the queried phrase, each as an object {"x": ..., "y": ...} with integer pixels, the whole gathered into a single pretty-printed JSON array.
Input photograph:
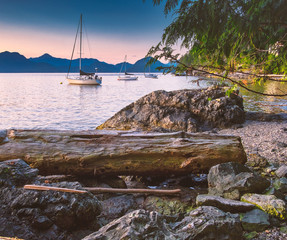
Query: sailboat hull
[
  {"x": 127, "y": 78},
  {"x": 150, "y": 75},
  {"x": 84, "y": 81}
]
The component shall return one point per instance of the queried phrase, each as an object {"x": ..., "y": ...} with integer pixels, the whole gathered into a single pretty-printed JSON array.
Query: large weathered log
[{"x": 91, "y": 153}]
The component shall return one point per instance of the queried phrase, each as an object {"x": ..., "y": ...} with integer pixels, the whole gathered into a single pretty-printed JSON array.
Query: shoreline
[
  {"x": 260, "y": 133},
  {"x": 263, "y": 134}
]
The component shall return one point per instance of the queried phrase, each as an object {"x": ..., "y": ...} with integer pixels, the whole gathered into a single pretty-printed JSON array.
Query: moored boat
[
  {"x": 127, "y": 76},
  {"x": 150, "y": 75},
  {"x": 83, "y": 78}
]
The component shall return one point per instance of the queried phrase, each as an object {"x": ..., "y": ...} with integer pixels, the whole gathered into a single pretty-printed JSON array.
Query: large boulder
[
  {"x": 202, "y": 223},
  {"x": 181, "y": 110},
  {"x": 232, "y": 180}
]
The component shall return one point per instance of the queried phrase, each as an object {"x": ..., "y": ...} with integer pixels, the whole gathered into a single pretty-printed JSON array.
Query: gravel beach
[{"x": 268, "y": 139}]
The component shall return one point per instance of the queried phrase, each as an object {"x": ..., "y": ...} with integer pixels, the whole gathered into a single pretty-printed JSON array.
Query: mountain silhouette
[{"x": 13, "y": 62}]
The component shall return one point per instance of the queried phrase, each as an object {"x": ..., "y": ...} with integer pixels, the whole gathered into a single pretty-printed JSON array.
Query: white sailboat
[
  {"x": 150, "y": 75},
  {"x": 83, "y": 78},
  {"x": 127, "y": 76}
]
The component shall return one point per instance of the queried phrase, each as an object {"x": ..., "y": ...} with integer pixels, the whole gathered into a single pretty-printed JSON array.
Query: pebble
[
  {"x": 263, "y": 138},
  {"x": 269, "y": 140}
]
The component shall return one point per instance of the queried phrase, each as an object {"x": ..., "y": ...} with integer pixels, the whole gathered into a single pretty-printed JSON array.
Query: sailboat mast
[
  {"x": 125, "y": 63},
  {"x": 81, "y": 42}
]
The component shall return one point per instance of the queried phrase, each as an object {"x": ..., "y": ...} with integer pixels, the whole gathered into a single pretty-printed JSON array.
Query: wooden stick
[
  {"x": 10, "y": 238},
  {"x": 103, "y": 190},
  {"x": 132, "y": 190},
  {"x": 47, "y": 188}
]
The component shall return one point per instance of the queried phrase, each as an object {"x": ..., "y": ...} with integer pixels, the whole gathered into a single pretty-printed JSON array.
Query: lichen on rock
[{"x": 268, "y": 203}]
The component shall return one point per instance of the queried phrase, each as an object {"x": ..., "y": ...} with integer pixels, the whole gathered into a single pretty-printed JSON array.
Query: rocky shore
[
  {"x": 266, "y": 137},
  {"x": 233, "y": 201}
]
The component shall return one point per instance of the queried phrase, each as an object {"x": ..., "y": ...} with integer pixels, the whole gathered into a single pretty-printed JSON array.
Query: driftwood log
[
  {"x": 95, "y": 153},
  {"x": 105, "y": 190}
]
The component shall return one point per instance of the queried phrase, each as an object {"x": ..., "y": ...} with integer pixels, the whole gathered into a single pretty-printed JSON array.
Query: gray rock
[
  {"x": 281, "y": 171},
  {"x": 66, "y": 210},
  {"x": 226, "y": 205},
  {"x": 30, "y": 214},
  {"x": 116, "y": 207},
  {"x": 139, "y": 224},
  {"x": 256, "y": 161},
  {"x": 166, "y": 206},
  {"x": 276, "y": 193},
  {"x": 231, "y": 180},
  {"x": 268, "y": 203},
  {"x": 281, "y": 184},
  {"x": 181, "y": 110},
  {"x": 208, "y": 222},
  {"x": 202, "y": 223},
  {"x": 42, "y": 223},
  {"x": 255, "y": 220},
  {"x": 16, "y": 172},
  {"x": 3, "y": 135}
]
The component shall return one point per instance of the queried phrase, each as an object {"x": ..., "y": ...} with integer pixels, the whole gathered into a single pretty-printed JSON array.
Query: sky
[{"x": 112, "y": 28}]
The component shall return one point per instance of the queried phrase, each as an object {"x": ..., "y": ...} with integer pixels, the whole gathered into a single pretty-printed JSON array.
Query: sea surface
[{"x": 47, "y": 101}]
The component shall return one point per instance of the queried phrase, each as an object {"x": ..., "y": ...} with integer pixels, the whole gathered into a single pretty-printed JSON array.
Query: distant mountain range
[{"x": 13, "y": 62}]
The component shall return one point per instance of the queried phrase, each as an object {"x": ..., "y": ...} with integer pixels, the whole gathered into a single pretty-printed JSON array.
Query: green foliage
[
  {"x": 227, "y": 34},
  {"x": 231, "y": 90}
]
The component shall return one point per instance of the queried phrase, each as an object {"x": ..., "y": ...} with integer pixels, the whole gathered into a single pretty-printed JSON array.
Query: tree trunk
[{"x": 95, "y": 153}]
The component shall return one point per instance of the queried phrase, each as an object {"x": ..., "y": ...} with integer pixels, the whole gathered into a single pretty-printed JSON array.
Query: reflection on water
[
  {"x": 34, "y": 101},
  {"x": 256, "y": 102},
  {"x": 47, "y": 101}
]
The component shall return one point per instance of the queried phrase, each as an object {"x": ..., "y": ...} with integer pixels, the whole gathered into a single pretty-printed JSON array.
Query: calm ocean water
[
  {"x": 40, "y": 101},
  {"x": 47, "y": 101}
]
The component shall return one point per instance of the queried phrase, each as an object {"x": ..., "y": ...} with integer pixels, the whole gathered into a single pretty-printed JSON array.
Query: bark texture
[{"x": 95, "y": 153}]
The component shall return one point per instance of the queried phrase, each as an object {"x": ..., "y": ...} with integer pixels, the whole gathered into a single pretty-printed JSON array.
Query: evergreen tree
[{"x": 227, "y": 35}]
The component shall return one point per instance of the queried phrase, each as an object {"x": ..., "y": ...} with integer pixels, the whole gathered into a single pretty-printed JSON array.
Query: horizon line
[{"x": 7, "y": 51}]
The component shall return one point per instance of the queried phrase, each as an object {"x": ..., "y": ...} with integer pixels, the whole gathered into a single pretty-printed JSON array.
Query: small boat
[
  {"x": 150, "y": 75},
  {"x": 83, "y": 78},
  {"x": 127, "y": 76}
]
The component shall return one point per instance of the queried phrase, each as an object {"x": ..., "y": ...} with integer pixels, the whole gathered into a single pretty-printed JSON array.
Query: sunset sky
[{"x": 114, "y": 27}]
